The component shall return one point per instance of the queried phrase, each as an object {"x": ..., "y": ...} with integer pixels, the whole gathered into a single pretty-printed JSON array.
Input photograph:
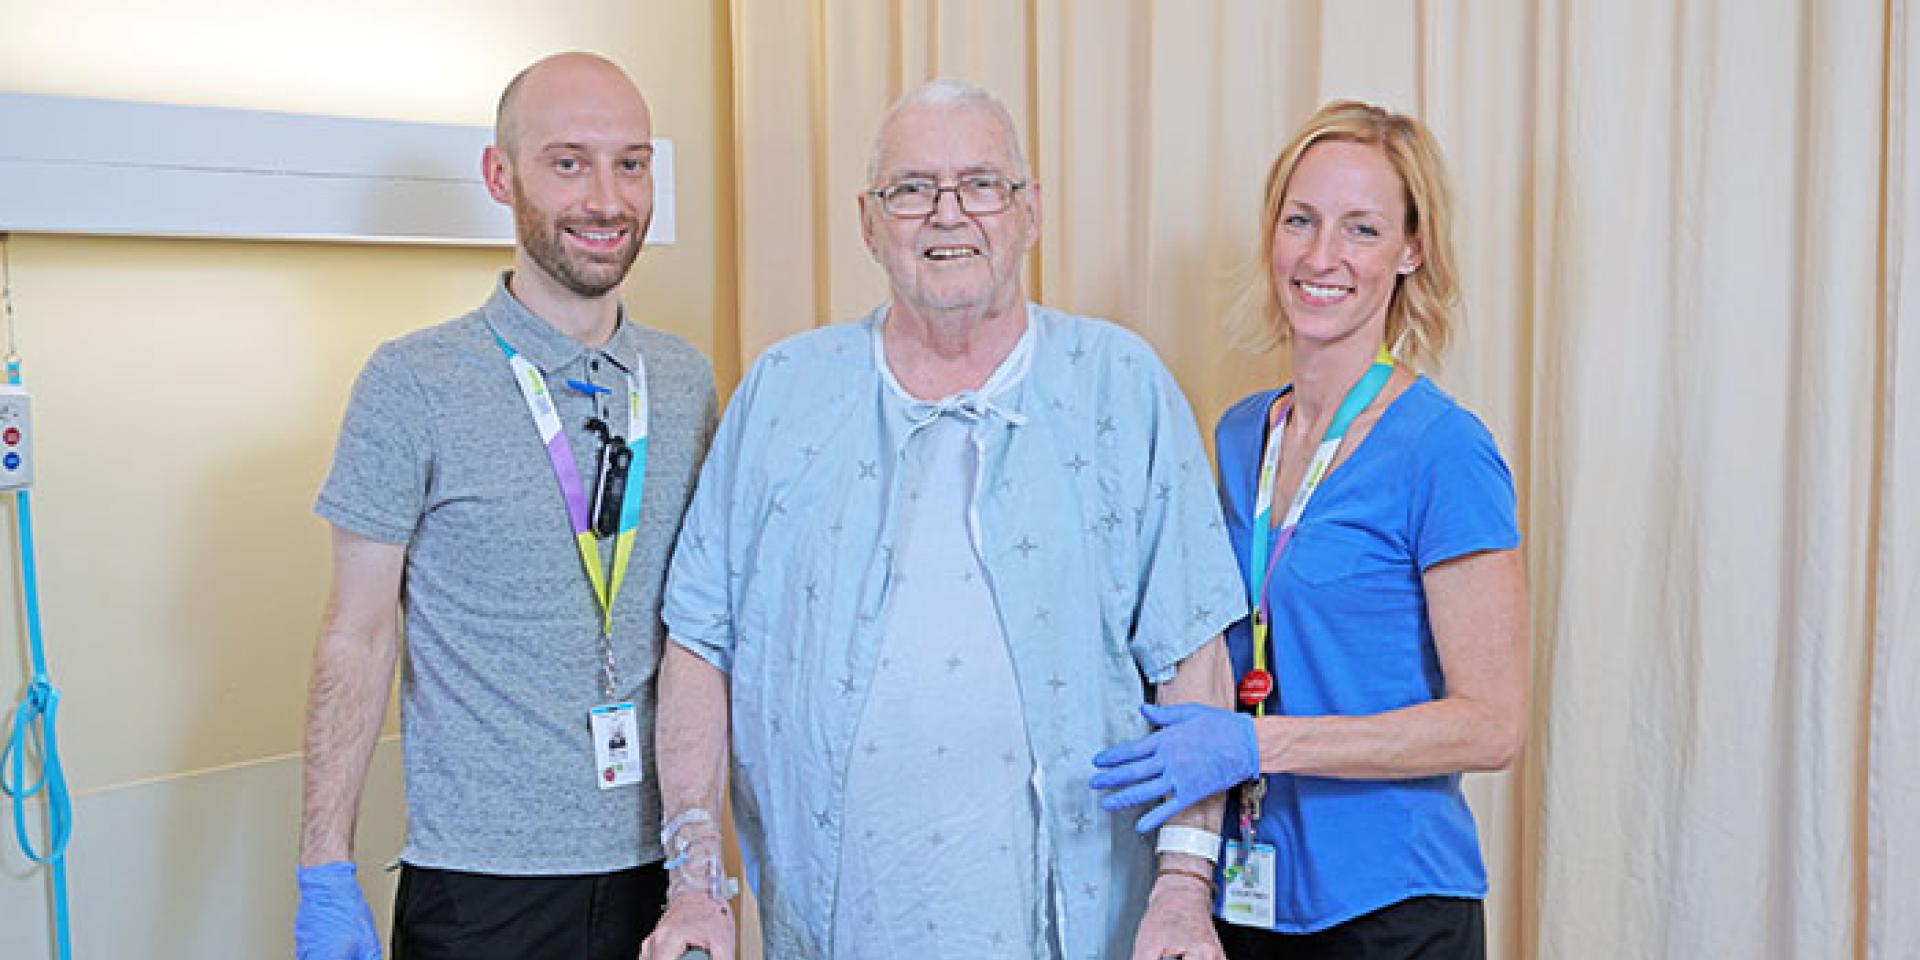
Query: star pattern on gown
[{"x": 1100, "y": 523}]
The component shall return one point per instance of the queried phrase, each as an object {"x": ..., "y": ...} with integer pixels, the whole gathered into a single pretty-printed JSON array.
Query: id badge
[
  {"x": 616, "y": 745},
  {"x": 1248, "y": 898}
]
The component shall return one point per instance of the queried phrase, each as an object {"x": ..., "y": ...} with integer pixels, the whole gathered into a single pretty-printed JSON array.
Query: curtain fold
[
  {"x": 1690, "y": 320},
  {"x": 1891, "y": 872}
]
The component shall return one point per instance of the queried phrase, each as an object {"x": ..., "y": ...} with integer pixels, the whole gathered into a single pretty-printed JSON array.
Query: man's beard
[{"x": 586, "y": 277}]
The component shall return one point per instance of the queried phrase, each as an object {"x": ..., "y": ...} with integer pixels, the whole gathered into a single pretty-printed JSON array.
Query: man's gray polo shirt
[{"x": 438, "y": 452}]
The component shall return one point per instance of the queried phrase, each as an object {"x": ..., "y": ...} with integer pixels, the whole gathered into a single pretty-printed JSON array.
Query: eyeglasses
[{"x": 979, "y": 194}]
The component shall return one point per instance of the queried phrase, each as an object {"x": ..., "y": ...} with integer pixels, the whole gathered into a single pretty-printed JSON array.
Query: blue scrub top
[{"x": 1351, "y": 636}]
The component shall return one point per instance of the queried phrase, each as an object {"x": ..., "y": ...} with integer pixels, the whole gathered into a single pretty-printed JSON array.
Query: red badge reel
[{"x": 1255, "y": 687}]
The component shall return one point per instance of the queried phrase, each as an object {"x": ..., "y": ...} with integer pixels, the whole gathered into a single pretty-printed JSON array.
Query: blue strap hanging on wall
[{"x": 33, "y": 728}]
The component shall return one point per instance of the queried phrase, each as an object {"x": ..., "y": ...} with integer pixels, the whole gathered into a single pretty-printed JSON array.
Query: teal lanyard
[
  {"x": 1258, "y": 683},
  {"x": 1358, "y": 398}
]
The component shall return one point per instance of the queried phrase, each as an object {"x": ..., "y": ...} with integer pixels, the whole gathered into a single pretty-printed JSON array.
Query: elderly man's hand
[
  {"x": 1178, "y": 921},
  {"x": 691, "y": 920}
]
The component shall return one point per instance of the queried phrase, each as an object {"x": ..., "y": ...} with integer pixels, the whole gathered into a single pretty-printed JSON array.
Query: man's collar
[{"x": 542, "y": 342}]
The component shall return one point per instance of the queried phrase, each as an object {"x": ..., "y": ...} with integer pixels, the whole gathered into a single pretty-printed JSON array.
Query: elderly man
[
  {"x": 933, "y": 562},
  {"x": 513, "y": 479}
]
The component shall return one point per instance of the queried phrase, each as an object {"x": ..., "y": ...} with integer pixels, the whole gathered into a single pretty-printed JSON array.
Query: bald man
[{"x": 511, "y": 483}]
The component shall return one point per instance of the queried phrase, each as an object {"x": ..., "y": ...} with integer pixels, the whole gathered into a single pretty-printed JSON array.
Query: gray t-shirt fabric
[{"x": 437, "y": 451}]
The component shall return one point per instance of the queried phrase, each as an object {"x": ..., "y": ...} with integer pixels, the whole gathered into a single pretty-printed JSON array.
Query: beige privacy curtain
[{"x": 1693, "y": 321}]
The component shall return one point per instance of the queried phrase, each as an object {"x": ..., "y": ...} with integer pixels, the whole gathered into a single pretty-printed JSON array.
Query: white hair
[{"x": 949, "y": 93}]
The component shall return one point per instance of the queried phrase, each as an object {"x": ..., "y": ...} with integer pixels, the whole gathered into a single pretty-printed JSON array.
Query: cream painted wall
[
  {"x": 186, "y": 396},
  {"x": 430, "y": 60}
]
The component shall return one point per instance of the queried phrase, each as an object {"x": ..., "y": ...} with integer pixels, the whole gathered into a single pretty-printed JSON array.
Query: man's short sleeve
[
  {"x": 1463, "y": 500},
  {"x": 1189, "y": 582},
  {"x": 698, "y": 605},
  {"x": 382, "y": 461}
]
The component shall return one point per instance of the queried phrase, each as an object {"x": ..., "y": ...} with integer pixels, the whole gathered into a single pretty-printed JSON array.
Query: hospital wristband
[{"x": 1192, "y": 841}]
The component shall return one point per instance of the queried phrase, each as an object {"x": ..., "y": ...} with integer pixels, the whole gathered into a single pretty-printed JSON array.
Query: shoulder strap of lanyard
[
  {"x": 533, "y": 388},
  {"x": 1261, "y": 560}
]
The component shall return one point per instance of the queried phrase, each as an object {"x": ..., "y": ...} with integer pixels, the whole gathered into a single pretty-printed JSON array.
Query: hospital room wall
[{"x": 186, "y": 394}]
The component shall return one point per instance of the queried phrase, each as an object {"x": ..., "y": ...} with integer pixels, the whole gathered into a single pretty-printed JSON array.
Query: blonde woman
[{"x": 1374, "y": 520}]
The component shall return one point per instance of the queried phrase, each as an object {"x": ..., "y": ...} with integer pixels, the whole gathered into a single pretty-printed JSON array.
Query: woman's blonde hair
[{"x": 1420, "y": 313}]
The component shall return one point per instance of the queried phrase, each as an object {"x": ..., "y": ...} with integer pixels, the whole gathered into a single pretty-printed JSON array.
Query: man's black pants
[{"x": 446, "y": 914}]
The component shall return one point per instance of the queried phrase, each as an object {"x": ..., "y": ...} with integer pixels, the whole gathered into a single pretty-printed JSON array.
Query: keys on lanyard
[{"x": 1251, "y": 796}]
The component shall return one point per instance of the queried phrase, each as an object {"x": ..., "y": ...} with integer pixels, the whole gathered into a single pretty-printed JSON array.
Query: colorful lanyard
[
  {"x": 533, "y": 388},
  {"x": 1258, "y": 683}
]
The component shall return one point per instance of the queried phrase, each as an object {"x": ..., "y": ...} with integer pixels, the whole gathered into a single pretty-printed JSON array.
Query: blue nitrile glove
[
  {"x": 333, "y": 922},
  {"x": 1197, "y": 752}
]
